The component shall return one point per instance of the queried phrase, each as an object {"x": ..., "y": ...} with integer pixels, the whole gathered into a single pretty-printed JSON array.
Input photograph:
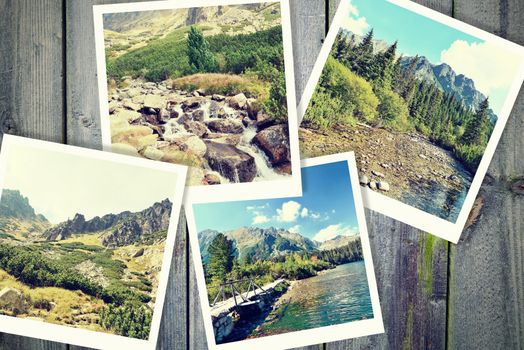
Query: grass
[
  {"x": 224, "y": 84},
  {"x": 68, "y": 303},
  {"x": 91, "y": 239}
]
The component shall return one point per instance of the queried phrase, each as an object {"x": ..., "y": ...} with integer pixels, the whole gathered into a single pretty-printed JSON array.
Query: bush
[
  {"x": 393, "y": 110},
  {"x": 324, "y": 111},
  {"x": 129, "y": 320}
]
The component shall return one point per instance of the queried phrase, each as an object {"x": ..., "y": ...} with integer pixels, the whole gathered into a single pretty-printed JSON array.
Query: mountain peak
[{"x": 14, "y": 205}]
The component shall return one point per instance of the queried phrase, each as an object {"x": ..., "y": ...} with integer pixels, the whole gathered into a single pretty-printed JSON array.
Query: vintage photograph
[
  {"x": 279, "y": 266},
  {"x": 209, "y": 87},
  {"x": 420, "y": 114},
  {"x": 82, "y": 246}
]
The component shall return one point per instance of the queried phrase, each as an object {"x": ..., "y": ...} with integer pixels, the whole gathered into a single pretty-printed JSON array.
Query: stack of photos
[
  {"x": 210, "y": 87},
  {"x": 85, "y": 244},
  {"x": 288, "y": 272},
  {"x": 421, "y": 98}
]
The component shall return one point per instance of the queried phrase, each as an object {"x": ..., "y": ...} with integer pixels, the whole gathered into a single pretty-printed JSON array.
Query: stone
[
  {"x": 153, "y": 153},
  {"x": 284, "y": 168},
  {"x": 11, "y": 298},
  {"x": 154, "y": 101},
  {"x": 217, "y": 97},
  {"x": 422, "y": 156},
  {"x": 164, "y": 115},
  {"x": 200, "y": 92},
  {"x": 138, "y": 253},
  {"x": 228, "y": 139},
  {"x": 137, "y": 136},
  {"x": 377, "y": 173},
  {"x": 173, "y": 114},
  {"x": 194, "y": 145},
  {"x": 274, "y": 142},
  {"x": 253, "y": 107},
  {"x": 363, "y": 180},
  {"x": 214, "y": 107},
  {"x": 113, "y": 107},
  {"x": 230, "y": 162},
  {"x": 132, "y": 106},
  {"x": 191, "y": 103},
  {"x": 138, "y": 99},
  {"x": 238, "y": 101},
  {"x": 263, "y": 121},
  {"x": 228, "y": 126},
  {"x": 212, "y": 179},
  {"x": 195, "y": 176},
  {"x": 383, "y": 186},
  {"x": 123, "y": 148},
  {"x": 197, "y": 128},
  {"x": 151, "y": 119},
  {"x": 247, "y": 122},
  {"x": 133, "y": 92},
  {"x": 198, "y": 115},
  {"x": 372, "y": 185},
  {"x": 221, "y": 113},
  {"x": 128, "y": 115}
]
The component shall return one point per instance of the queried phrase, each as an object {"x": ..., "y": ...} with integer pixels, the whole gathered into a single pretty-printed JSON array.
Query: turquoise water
[{"x": 337, "y": 296}]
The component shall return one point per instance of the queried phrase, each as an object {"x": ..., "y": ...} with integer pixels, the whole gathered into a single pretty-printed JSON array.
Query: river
[{"x": 333, "y": 297}]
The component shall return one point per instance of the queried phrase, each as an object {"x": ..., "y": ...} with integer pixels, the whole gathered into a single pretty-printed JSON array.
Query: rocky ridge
[{"x": 222, "y": 138}]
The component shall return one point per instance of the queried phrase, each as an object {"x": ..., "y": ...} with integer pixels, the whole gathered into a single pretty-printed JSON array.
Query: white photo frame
[
  {"x": 300, "y": 338},
  {"x": 84, "y": 337},
  {"x": 396, "y": 209},
  {"x": 236, "y": 191}
]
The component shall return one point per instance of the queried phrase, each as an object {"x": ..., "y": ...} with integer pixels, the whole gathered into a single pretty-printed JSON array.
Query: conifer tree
[
  {"x": 200, "y": 57},
  {"x": 221, "y": 257},
  {"x": 476, "y": 129}
]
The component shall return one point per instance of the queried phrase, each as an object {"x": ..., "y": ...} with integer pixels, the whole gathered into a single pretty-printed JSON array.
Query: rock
[
  {"x": 174, "y": 155},
  {"x": 173, "y": 114},
  {"x": 154, "y": 101},
  {"x": 11, "y": 298},
  {"x": 137, "y": 136},
  {"x": 151, "y": 119},
  {"x": 214, "y": 108},
  {"x": 164, "y": 115},
  {"x": 197, "y": 128},
  {"x": 274, "y": 141},
  {"x": 383, "y": 186},
  {"x": 217, "y": 97},
  {"x": 138, "y": 253},
  {"x": 284, "y": 168},
  {"x": 191, "y": 103},
  {"x": 212, "y": 179},
  {"x": 253, "y": 107},
  {"x": 221, "y": 113},
  {"x": 198, "y": 115},
  {"x": 263, "y": 121},
  {"x": 233, "y": 140},
  {"x": 132, "y": 106},
  {"x": 230, "y": 162},
  {"x": 422, "y": 156},
  {"x": 138, "y": 99},
  {"x": 229, "y": 126},
  {"x": 376, "y": 173},
  {"x": 195, "y": 176},
  {"x": 247, "y": 122},
  {"x": 238, "y": 101},
  {"x": 113, "y": 107},
  {"x": 194, "y": 145},
  {"x": 133, "y": 92},
  {"x": 126, "y": 149},
  {"x": 453, "y": 177},
  {"x": 372, "y": 185},
  {"x": 200, "y": 92},
  {"x": 385, "y": 166},
  {"x": 128, "y": 115},
  {"x": 363, "y": 180},
  {"x": 152, "y": 153}
]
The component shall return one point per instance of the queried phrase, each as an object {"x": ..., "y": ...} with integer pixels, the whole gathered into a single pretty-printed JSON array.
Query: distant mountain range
[
  {"x": 116, "y": 229},
  {"x": 441, "y": 75},
  {"x": 269, "y": 243}
]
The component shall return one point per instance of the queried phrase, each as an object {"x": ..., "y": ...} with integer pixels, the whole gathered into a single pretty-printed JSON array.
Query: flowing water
[{"x": 336, "y": 296}]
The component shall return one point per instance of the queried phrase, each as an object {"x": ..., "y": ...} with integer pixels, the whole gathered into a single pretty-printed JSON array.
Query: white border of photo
[
  {"x": 238, "y": 191},
  {"x": 84, "y": 337},
  {"x": 304, "y": 337},
  {"x": 394, "y": 208}
]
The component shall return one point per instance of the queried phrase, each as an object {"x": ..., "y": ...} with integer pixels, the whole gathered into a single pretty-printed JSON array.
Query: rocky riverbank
[
  {"x": 224, "y": 139},
  {"x": 403, "y": 166}
]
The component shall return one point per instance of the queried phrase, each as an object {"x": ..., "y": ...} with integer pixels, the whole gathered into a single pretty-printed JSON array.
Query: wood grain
[{"x": 486, "y": 295}]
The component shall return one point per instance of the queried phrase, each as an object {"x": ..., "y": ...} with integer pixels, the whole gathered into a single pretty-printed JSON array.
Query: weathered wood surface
[{"x": 434, "y": 295}]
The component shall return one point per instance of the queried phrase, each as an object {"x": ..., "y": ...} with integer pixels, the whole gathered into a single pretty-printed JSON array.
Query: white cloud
[
  {"x": 289, "y": 211},
  {"x": 260, "y": 219},
  {"x": 355, "y": 23},
  {"x": 304, "y": 213},
  {"x": 315, "y": 216},
  {"x": 333, "y": 231},
  {"x": 488, "y": 64},
  {"x": 294, "y": 229}
]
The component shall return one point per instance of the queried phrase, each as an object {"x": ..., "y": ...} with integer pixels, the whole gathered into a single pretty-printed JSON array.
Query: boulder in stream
[
  {"x": 230, "y": 162},
  {"x": 274, "y": 141},
  {"x": 228, "y": 126}
]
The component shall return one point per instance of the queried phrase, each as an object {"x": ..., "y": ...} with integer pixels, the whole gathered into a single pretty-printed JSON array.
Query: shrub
[{"x": 392, "y": 109}]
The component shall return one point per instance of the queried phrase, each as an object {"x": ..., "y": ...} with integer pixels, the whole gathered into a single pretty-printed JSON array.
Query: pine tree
[
  {"x": 363, "y": 62},
  {"x": 221, "y": 257},
  {"x": 200, "y": 57},
  {"x": 476, "y": 129}
]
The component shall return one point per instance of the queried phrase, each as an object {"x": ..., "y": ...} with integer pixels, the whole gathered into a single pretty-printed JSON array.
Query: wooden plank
[
  {"x": 486, "y": 295},
  {"x": 411, "y": 272},
  {"x": 31, "y": 92},
  {"x": 83, "y": 129},
  {"x": 308, "y": 22}
]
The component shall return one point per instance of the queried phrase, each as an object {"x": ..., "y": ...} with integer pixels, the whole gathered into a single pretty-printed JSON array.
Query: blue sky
[
  {"x": 491, "y": 66},
  {"x": 325, "y": 210}
]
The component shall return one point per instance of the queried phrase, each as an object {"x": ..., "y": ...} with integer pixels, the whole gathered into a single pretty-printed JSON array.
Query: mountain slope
[
  {"x": 120, "y": 229},
  {"x": 18, "y": 218},
  {"x": 259, "y": 243}
]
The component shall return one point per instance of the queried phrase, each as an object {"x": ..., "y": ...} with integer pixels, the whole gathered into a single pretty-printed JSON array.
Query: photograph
[
  {"x": 421, "y": 98},
  {"x": 287, "y": 272},
  {"x": 210, "y": 87},
  {"x": 85, "y": 251}
]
